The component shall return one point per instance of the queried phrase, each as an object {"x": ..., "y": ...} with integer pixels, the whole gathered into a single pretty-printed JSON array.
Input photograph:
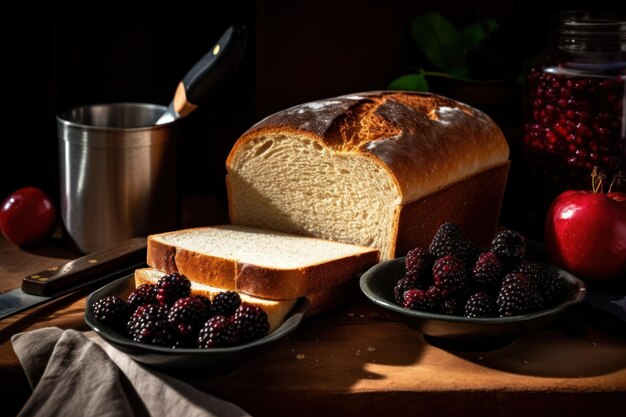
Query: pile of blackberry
[
  {"x": 166, "y": 314},
  {"x": 452, "y": 277}
]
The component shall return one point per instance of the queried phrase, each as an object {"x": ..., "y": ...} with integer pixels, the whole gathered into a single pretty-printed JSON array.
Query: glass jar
[{"x": 575, "y": 117}]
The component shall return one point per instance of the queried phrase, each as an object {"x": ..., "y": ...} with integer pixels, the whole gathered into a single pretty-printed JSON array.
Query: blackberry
[
  {"x": 535, "y": 301},
  {"x": 251, "y": 322},
  {"x": 172, "y": 287},
  {"x": 445, "y": 240},
  {"x": 438, "y": 294},
  {"x": 205, "y": 301},
  {"x": 112, "y": 311},
  {"x": 419, "y": 300},
  {"x": 420, "y": 281},
  {"x": 509, "y": 246},
  {"x": 466, "y": 251},
  {"x": 448, "y": 241},
  {"x": 449, "y": 274},
  {"x": 149, "y": 324},
  {"x": 225, "y": 303},
  {"x": 218, "y": 331},
  {"x": 516, "y": 296},
  {"x": 143, "y": 294},
  {"x": 524, "y": 267},
  {"x": 453, "y": 306},
  {"x": 544, "y": 279},
  {"x": 551, "y": 286},
  {"x": 187, "y": 316},
  {"x": 480, "y": 304},
  {"x": 419, "y": 263},
  {"x": 402, "y": 286},
  {"x": 488, "y": 271}
]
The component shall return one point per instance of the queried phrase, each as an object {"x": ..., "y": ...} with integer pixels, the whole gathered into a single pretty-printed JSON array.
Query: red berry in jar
[
  {"x": 575, "y": 117},
  {"x": 569, "y": 147}
]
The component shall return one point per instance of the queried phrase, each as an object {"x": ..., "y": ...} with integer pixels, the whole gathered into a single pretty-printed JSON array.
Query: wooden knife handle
[{"x": 83, "y": 270}]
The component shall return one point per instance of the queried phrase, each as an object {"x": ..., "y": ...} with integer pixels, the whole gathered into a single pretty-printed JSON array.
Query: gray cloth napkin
[{"x": 74, "y": 376}]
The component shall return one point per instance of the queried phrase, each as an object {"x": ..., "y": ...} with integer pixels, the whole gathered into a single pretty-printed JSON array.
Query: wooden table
[{"x": 360, "y": 360}]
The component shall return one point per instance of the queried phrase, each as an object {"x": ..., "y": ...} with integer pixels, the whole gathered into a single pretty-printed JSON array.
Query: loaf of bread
[
  {"x": 377, "y": 169},
  {"x": 262, "y": 263}
]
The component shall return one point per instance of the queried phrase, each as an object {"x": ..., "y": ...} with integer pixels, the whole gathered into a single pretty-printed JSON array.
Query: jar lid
[{"x": 585, "y": 30}]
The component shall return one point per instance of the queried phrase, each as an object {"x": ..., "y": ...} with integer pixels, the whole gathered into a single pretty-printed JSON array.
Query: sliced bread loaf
[
  {"x": 379, "y": 169},
  {"x": 276, "y": 310},
  {"x": 258, "y": 262}
]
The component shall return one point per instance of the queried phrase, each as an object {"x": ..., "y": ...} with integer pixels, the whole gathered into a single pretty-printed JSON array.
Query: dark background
[{"x": 64, "y": 56}]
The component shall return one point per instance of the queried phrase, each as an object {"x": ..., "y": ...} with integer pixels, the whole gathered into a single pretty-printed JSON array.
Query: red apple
[
  {"x": 27, "y": 216},
  {"x": 585, "y": 234}
]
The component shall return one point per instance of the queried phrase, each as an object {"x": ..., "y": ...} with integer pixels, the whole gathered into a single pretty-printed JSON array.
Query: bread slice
[
  {"x": 276, "y": 310},
  {"x": 258, "y": 262},
  {"x": 363, "y": 168}
]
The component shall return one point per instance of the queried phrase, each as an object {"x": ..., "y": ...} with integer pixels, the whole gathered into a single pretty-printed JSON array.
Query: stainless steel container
[{"x": 117, "y": 173}]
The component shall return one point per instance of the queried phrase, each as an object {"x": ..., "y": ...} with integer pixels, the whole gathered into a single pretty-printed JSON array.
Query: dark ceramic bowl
[
  {"x": 205, "y": 362},
  {"x": 455, "y": 331}
]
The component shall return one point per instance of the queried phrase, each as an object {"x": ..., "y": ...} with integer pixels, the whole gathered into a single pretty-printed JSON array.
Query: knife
[
  {"x": 206, "y": 74},
  {"x": 98, "y": 267}
]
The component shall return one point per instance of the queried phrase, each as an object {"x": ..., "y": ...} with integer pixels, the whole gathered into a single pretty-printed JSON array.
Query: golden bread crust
[{"x": 424, "y": 141}]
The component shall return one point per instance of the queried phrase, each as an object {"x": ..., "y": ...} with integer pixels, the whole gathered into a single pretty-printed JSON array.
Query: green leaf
[
  {"x": 409, "y": 82},
  {"x": 439, "y": 41},
  {"x": 475, "y": 33}
]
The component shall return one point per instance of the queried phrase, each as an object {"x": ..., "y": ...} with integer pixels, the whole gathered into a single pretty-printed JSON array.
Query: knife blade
[{"x": 98, "y": 267}]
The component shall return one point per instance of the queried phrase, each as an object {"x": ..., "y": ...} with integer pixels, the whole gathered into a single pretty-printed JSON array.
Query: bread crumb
[
  {"x": 371, "y": 348},
  {"x": 361, "y": 315},
  {"x": 293, "y": 350},
  {"x": 480, "y": 358},
  {"x": 358, "y": 352},
  {"x": 350, "y": 314},
  {"x": 525, "y": 362},
  {"x": 316, "y": 339},
  {"x": 594, "y": 344},
  {"x": 374, "y": 360},
  {"x": 317, "y": 360},
  {"x": 300, "y": 356}
]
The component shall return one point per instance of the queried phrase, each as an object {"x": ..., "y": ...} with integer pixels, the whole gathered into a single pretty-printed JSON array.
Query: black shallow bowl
[
  {"x": 455, "y": 331},
  {"x": 207, "y": 362}
]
